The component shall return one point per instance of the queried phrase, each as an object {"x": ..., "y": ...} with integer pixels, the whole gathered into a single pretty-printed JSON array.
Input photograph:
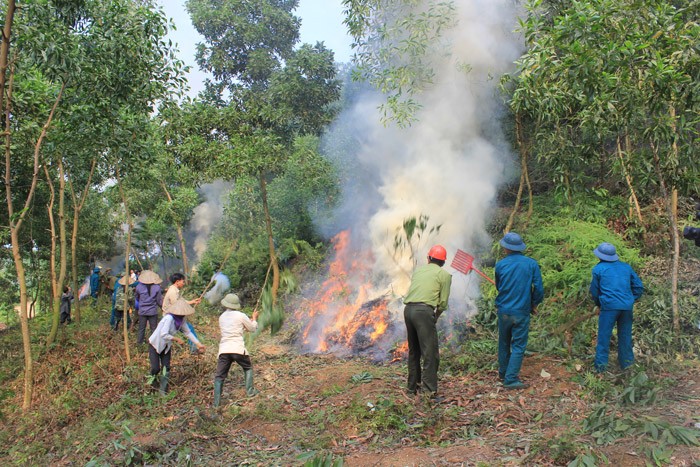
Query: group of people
[
  {"x": 614, "y": 289},
  {"x": 146, "y": 291}
]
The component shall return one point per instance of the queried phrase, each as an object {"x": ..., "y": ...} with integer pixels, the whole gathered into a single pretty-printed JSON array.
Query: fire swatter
[{"x": 464, "y": 262}]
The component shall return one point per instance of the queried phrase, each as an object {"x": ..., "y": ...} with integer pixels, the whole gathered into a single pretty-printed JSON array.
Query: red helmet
[{"x": 438, "y": 252}]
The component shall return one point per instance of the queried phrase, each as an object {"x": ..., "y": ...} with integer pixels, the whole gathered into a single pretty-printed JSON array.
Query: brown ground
[{"x": 309, "y": 403}]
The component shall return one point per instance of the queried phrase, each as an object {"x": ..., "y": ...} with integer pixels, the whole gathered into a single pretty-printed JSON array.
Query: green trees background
[{"x": 103, "y": 155}]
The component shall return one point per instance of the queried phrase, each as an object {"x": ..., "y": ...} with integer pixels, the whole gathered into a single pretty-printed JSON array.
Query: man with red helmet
[{"x": 426, "y": 299}]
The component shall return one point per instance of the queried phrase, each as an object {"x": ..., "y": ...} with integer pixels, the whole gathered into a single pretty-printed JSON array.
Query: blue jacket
[
  {"x": 615, "y": 286},
  {"x": 94, "y": 282},
  {"x": 519, "y": 284}
]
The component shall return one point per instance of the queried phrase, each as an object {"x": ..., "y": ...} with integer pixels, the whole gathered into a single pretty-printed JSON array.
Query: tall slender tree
[{"x": 274, "y": 90}]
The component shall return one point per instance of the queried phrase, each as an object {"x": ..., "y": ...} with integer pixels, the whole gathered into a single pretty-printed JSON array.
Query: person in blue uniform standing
[
  {"x": 95, "y": 282},
  {"x": 614, "y": 288},
  {"x": 520, "y": 290}
]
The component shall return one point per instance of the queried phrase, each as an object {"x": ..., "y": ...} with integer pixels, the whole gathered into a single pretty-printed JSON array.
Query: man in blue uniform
[
  {"x": 614, "y": 288},
  {"x": 519, "y": 285}
]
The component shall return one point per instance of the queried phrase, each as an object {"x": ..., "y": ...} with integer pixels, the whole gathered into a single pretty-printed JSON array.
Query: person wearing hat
[
  {"x": 159, "y": 350},
  {"x": 233, "y": 324},
  {"x": 122, "y": 290},
  {"x": 172, "y": 295},
  {"x": 150, "y": 296},
  {"x": 614, "y": 288},
  {"x": 426, "y": 299},
  {"x": 520, "y": 290}
]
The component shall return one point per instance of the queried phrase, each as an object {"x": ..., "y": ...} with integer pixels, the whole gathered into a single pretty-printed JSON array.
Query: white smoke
[
  {"x": 207, "y": 215},
  {"x": 449, "y": 164},
  {"x": 221, "y": 285}
]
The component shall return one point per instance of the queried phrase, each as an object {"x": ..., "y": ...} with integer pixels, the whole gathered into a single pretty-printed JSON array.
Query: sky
[{"x": 321, "y": 21}]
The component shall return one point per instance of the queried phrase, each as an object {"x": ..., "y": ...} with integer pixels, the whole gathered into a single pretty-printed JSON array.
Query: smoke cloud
[
  {"x": 448, "y": 165},
  {"x": 207, "y": 215}
]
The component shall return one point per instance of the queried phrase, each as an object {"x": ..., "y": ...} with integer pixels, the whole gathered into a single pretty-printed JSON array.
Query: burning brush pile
[{"x": 346, "y": 315}]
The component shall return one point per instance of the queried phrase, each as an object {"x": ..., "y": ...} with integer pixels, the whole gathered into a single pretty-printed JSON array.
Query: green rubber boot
[
  {"x": 218, "y": 387},
  {"x": 164, "y": 383},
  {"x": 249, "y": 389}
]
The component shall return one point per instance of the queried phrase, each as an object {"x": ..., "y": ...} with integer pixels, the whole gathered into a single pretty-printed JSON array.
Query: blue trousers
[
  {"x": 606, "y": 322},
  {"x": 513, "y": 331}
]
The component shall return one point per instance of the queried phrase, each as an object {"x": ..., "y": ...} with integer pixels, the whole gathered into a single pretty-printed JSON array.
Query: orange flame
[{"x": 342, "y": 313}]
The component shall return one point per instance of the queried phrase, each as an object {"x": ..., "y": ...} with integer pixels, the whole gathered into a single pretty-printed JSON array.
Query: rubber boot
[
  {"x": 164, "y": 383},
  {"x": 218, "y": 388},
  {"x": 249, "y": 389}
]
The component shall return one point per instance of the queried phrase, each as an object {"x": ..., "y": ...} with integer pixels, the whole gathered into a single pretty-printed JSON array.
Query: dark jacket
[
  {"x": 66, "y": 300},
  {"x": 519, "y": 284},
  {"x": 615, "y": 286}
]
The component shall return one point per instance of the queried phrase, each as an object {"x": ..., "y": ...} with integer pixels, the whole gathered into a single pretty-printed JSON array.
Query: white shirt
[
  {"x": 162, "y": 338},
  {"x": 233, "y": 325}
]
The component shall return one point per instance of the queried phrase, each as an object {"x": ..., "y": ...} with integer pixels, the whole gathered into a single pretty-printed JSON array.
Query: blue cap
[
  {"x": 513, "y": 242},
  {"x": 606, "y": 252}
]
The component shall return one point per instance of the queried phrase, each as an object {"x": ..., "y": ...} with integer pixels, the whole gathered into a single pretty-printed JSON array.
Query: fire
[{"x": 346, "y": 315}]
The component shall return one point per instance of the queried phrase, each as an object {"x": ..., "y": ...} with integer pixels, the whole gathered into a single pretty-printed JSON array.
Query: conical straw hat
[
  {"x": 125, "y": 279},
  {"x": 149, "y": 277},
  {"x": 180, "y": 308}
]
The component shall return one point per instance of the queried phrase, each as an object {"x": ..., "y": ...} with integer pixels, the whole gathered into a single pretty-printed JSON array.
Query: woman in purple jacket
[{"x": 150, "y": 296}]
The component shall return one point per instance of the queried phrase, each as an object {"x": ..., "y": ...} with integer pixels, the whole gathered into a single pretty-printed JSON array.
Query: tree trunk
[
  {"x": 77, "y": 208},
  {"x": 127, "y": 253},
  {"x": 628, "y": 178},
  {"x": 57, "y": 281},
  {"x": 53, "y": 279},
  {"x": 676, "y": 262},
  {"x": 15, "y": 220},
  {"x": 670, "y": 202},
  {"x": 180, "y": 236},
  {"x": 270, "y": 241},
  {"x": 524, "y": 176}
]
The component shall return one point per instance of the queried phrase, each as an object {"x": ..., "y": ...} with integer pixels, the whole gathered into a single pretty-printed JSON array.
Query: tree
[
  {"x": 615, "y": 81},
  {"x": 396, "y": 43},
  {"x": 107, "y": 56},
  {"x": 274, "y": 91}
]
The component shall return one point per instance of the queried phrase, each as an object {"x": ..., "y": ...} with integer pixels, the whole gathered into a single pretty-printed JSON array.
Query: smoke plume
[
  {"x": 447, "y": 165},
  {"x": 207, "y": 215}
]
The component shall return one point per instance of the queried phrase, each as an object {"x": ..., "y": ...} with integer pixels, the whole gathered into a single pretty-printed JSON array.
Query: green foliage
[
  {"x": 413, "y": 234},
  {"x": 474, "y": 355},
  {"x": 126, "y": 447},
  {"x": 313, "y": 459},
  {"x": 609, "y": 87},
  {"x": 606, "y": 425},
  {"x": 396, "y": 43},
  {"x": 364, "y": 377},
  {"x": 590, "y": 459},
  {"x": 652, "y": 321}
]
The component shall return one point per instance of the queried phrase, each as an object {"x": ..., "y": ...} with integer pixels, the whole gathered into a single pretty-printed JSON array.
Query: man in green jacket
[{"x": 426, "y": 299}]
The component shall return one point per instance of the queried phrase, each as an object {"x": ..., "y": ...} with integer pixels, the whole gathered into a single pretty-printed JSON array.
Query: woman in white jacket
[
  {"x": 159, "y": 352},
  {"x": 233, "y": 324}
]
